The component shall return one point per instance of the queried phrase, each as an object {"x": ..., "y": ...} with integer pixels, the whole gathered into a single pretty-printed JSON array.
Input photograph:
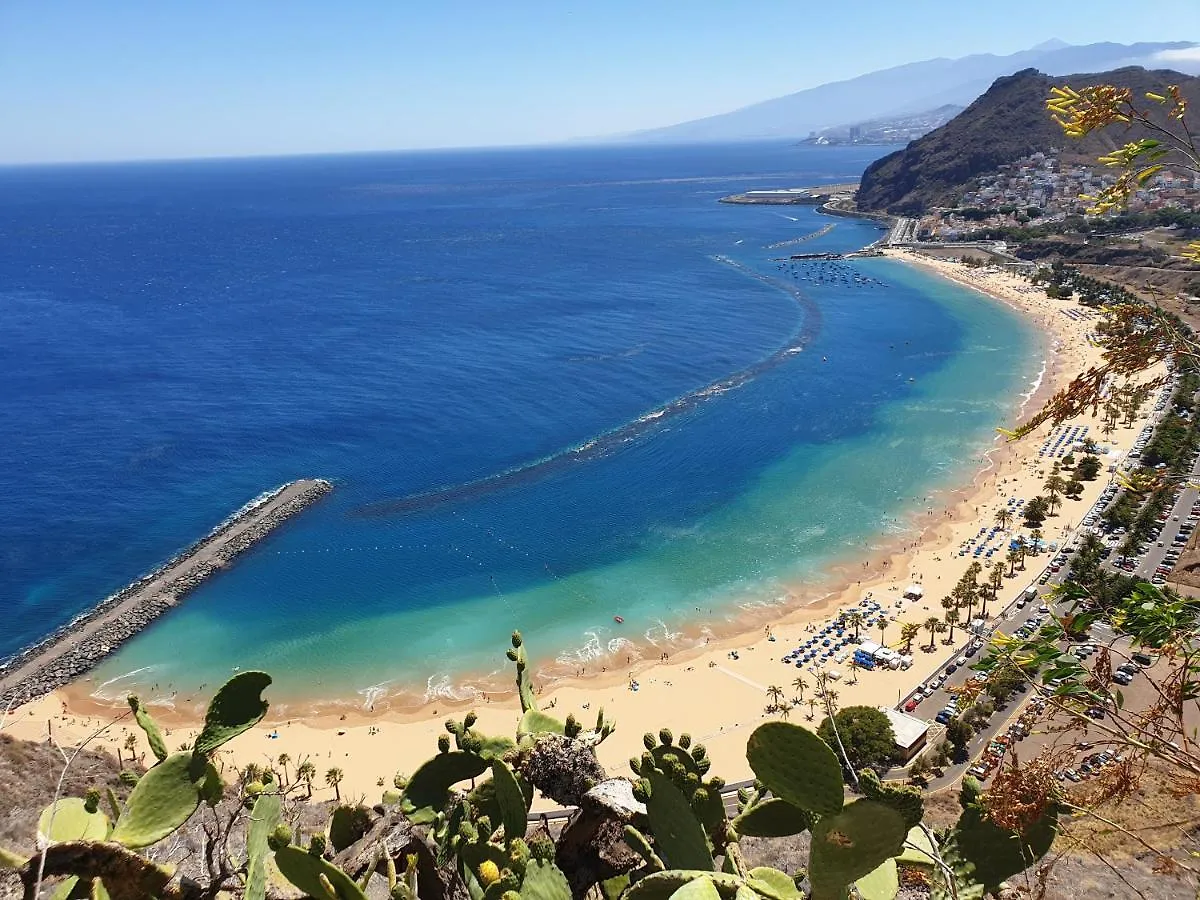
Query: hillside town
[{"x": 1044, "y": 188}]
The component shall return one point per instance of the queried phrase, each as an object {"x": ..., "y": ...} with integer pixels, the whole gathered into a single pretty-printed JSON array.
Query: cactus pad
[
  {"x": 164, "y": 798},
  {"x": 797, "y": 766},
  {"x": 677, "y": 832},
  {"x": 511, "y": 801},
  {"x": 881, "y": 884},
  {"x": 311, "y": 874},
  {"x": 263, "y": 819},
  {"x": 429, "y": 788},
  {"x": 697, "y": 889},
  {"x": 773, "y": 818},
  {"x": 237, "y": 706},
  {"x": 997, "y": 854},
  {"x": 534, "y": 722},
  {"x": 662, "y": 885},
  {"x": 69, "y": 820},
  {"x": 544, "y": 881},
  {"x": 157, "y": 745},
  {"x": 772, "y": 883},
  {"x": 904, "y": 799},
  {"x": 851, "y": 844}
]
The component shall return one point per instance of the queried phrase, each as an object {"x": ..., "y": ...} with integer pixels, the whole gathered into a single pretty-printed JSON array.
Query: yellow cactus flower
[{"x": 489, "y": 872}]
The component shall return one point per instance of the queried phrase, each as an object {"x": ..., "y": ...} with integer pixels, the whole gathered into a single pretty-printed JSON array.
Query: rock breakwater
[{"x": 75, "y": 648}]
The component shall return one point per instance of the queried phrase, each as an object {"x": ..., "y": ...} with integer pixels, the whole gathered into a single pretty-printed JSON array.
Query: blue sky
[{"x": 83, "y": 80}]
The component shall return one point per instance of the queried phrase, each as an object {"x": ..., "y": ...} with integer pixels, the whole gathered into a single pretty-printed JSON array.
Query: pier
[{"x": 77, "y": 647}]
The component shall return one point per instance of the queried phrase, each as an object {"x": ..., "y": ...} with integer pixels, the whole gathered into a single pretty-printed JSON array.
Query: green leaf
[
  {"x": 11, "y": 860},
  {"x": 511, "y": 800},
  {"x": 918, "y": 850},
  {"x": 697, "y": 889},
  {"x": 661, "y": 885},
  {"x": 773, "y": 884},
  {"x": 65, "y": 888},
  {"x": 68, "y": 820},
  {"x": 544, "y": 881},
  {"x": 677, "y": 832},
  {"x": 772, "y": 818},
  {"x": 263, "y": 819},
  {"x": 303, "y": 870},
  {"x": 851, "y": 844},
  {"x": 797, "y": 766},
  {"x": 429, "y": 788},
  {"x": 881, "y": 884},
  {"x": 164, "y": 798},
  {"x": 157, "y": 745},
  {"x": 237, "y": 706},
  {"x": 535, "y": 722}
]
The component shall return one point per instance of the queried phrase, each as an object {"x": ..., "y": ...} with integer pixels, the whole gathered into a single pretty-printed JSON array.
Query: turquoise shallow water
[{"x": 697, "y": 429}]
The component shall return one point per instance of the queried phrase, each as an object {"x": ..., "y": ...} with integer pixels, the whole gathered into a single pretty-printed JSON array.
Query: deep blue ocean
[{"x": 551, "y": 386}]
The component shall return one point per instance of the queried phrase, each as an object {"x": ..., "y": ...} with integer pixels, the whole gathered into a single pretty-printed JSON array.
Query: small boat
[{"x": 618, "y": 619}]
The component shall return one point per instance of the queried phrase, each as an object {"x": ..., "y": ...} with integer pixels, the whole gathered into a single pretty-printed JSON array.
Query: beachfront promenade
[{"x": 78, "y": 646}]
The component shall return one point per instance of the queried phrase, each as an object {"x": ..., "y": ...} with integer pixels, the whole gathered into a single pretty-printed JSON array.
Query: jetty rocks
[{"x": 76, "y": 648}]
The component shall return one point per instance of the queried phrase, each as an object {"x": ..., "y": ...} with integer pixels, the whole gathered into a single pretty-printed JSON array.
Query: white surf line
[{"x": 742, "y": 678}]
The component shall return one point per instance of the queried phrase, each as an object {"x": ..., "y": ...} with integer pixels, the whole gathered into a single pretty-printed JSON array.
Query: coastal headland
[
  {"x": 812, "y": 196},
  {"x": 78, "y": 646},
  {"x": 714, "y": 686}
]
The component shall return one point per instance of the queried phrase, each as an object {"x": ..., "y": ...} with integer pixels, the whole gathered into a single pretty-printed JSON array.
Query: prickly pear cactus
[
  {"x": 850, "y": 844},
  {"x": 678, "y": 834},
  {"x": 524, "y": 683},
  {"x": 429, "y": 788},
  {"x": 544, "y": 881},
  {"x": 157, "y": 745},
  {"x": 71, "y": 819},
  {"x": 316, "y": 877},
  {"x": 772, "y": 818},
  {"x": 164, "y": 798},
  {"x": 881, "y": 884},
  {"x": 510, "y": 800},
  {"x": 263, "y": 819},
  {"x": 904, "y": 799},
  {"x": 797, "y": 766},
  {"x": 772, "y": 884},
  {"x": 237, "y": 706},
  {"x": 666, "y": 752}
]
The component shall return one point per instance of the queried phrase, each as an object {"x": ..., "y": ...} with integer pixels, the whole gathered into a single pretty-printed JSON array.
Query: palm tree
[
  {"x": 283, "y": 761},
  {"x": 931, "y": 625},
  {"x": 1004, "y": 517},
  {"x": 1012, "y": 559},
  {"x": 882, "y": 625},
  {"x": 333, "y": 778},
  {"x": 800, "y": 685},
  {"x": 952, "y": 619},
  {"x": 1053, "y": 487},
  {"x": 855, "y": 618},
  {"x": 775, "y": 692},
  {"x": 812, "y": 708},
  {"x": 908, "y": 631},
  {"x": 306, "y": 772},
  {"x": 1036, "y": 541},
  {"x": 784, "y": 711},
  {"x": 1022, "y": 550},
  {"x": 831, "y": 702},
  {"x": 853, "y": 667}
]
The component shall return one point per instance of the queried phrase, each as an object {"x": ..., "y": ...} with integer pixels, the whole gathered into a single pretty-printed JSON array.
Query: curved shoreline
[
  {"x": 843, "y": 578},
  {"x": 97, "y": 633}
]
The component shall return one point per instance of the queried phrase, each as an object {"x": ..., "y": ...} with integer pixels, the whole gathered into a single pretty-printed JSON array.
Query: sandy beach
[{"x": 716, "y": 692}]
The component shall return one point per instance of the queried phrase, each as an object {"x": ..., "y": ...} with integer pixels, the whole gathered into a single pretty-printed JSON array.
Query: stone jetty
[{"x": 77, "y": 647}]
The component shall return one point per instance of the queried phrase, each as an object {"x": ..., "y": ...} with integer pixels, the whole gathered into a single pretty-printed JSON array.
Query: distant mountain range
[
  {"x": 912, "y": 88},
  {"x": 1005, "y": 124}
]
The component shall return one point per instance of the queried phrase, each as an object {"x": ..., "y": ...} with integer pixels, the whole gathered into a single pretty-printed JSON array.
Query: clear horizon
[{"x": 145, "y": 81}]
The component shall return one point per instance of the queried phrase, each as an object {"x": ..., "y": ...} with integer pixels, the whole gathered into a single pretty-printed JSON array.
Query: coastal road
[{"x": 77, "y": 647}]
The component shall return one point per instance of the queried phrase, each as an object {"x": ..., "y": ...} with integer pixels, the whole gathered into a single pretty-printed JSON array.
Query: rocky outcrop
[{"x": 77, "y": 647}]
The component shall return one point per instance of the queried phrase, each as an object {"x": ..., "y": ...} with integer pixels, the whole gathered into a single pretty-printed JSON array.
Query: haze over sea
[{"x": 180, "y": 337}]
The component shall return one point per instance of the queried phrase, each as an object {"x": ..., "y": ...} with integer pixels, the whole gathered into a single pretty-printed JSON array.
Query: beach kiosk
[
  {"x": 914, "y": 592},
  {"x": 911, "y": 733}
]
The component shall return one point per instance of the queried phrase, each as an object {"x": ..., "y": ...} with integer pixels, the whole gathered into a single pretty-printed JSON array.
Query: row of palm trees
[
  {"x": 824, "y": 696},
  {"x": 306, "y": 774}
]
